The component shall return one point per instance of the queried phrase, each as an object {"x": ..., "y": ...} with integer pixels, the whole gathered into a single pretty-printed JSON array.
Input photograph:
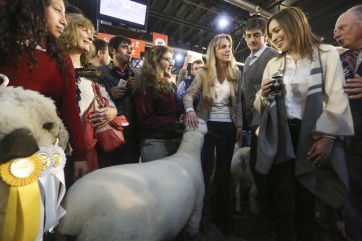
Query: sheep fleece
[{"x": 147, "y": 201}]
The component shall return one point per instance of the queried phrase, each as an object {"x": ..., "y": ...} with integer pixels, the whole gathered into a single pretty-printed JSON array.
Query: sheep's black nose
[{"x": 17, "y": 144}]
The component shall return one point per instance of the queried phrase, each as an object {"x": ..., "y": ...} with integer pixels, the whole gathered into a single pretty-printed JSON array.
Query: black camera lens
[{"x": 277, "y": 87}]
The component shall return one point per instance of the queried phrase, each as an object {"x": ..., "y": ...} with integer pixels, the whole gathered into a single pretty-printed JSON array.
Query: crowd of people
[{"x": 306, "y": 138}]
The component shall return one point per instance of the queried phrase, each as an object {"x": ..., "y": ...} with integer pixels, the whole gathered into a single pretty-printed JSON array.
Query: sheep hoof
[
  {"x": 191, "y": 237},
  {"x": 204, "y": 228}
]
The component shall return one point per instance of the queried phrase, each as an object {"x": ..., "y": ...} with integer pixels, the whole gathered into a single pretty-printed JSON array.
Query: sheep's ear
[{"x": 48, "y": 126}]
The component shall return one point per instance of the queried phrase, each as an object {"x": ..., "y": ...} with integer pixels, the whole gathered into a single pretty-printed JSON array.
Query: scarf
[
  {"x": 275, "y": 142},
  {"x": 328, "y": 182}
]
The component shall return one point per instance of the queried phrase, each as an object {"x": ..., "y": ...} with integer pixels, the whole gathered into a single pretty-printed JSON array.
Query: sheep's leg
[
  {"x": 252, "y": 199},
  {"x": 238, "y": 196},
  {"x": 237, "y": 175},
  {"x": 192, "y": 226},
  {"x": 60, "y": 237},
  {"x": 189, "y": 237}
]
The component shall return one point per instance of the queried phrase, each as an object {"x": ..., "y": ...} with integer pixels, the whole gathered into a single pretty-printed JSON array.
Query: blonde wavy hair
[
  {"x": 68, "y": 40},
  {"x": 152, "y": 72},
  {"x": 211, "y": 62}
]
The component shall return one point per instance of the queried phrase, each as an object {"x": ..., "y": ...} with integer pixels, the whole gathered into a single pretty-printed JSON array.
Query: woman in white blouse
[
  {"x": 220, "y": 106},
  {"x": 300, "y": 128}
]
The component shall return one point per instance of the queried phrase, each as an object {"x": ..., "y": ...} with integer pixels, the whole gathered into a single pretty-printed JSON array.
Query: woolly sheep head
[
  {"x": 202, "y": 127},
  {"x": 27, "y": 115}
]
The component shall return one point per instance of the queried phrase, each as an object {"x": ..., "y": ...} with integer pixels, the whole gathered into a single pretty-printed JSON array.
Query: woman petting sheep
[
  {"x": 156, "y": 106},
  {"x": 76, "y": 40},
  {"x": 31, "y": 59},
  {"x": 220, "y": 106}
]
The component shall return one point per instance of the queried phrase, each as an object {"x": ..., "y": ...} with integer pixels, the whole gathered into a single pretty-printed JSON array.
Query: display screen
[{"x": 124, "y": 12}]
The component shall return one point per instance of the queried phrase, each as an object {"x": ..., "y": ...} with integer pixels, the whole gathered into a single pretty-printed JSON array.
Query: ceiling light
[
  {"x": 178, "y": 57},
  {"x": 223, "y": 22}
]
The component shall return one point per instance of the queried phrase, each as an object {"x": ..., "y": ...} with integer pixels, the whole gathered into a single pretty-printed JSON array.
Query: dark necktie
[{"x": 349, "y": 59}]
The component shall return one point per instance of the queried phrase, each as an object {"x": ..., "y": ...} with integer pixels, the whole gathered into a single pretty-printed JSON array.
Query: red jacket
[
  {"x": 47, "y": 78},
  {"x": 156, "y": 117}
]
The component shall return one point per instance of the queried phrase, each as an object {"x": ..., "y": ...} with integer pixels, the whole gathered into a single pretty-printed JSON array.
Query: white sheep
[
  {"x": 28, "y": 121},
  {"x": 139, "y": 202},
  {"x": 243, "y": 178}
]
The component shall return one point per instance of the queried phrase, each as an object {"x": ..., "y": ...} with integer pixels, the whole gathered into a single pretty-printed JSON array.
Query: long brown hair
[
  {"x": 296, "y": 26},
  {"x": 68, "y": 40},
  {"x": 23, "y": 28},
  {"x": 152, "y": 72}
]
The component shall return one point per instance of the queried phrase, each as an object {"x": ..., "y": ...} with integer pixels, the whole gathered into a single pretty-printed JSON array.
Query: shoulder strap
[{"x": 98, "y": 98}]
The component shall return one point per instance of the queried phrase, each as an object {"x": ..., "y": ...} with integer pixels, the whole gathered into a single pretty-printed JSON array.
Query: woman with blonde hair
[
  {"x": 76, "y": 41},
  {"x": 220, "y": 106},
  {"x": 156, "y": 106},
  {"x": 299, "y": 149}
]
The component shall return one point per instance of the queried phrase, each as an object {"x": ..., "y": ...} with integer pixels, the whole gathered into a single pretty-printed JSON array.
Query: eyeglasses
[{"x": 170, "y": 61}]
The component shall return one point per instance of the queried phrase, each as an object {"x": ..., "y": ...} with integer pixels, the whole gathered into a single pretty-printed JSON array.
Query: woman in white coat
[{"x": 299, "y": 148}]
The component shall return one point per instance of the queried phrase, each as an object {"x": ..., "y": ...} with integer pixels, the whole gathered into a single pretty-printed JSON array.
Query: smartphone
[{"x": 122, "y": 83}]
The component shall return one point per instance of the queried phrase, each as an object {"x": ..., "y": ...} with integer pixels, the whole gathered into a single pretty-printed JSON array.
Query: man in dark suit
[
  {"x": 260, "y": 54},
  {"x": 348, "y": 33},
  {"x": 120, "y": 49}
]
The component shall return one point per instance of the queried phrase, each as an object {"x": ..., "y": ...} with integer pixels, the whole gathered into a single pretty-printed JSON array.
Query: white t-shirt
[{"x": 220, "y": 109}]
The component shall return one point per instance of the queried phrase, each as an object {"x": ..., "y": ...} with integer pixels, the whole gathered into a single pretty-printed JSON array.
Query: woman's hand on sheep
[
  {"x": 191, "y": 119},
  {"x": 320, "y": 151},
  {"x": 103, "y": 117}
]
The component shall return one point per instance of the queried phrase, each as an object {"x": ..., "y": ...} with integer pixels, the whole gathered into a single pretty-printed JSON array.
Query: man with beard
[
  {"x": 120, "y": 50},
  {"x": 348, "y": 33}
]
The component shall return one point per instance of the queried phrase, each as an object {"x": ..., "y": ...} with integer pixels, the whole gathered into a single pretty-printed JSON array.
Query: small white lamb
[
  {"x": 149, "y": 201},
  {"x": 28, "y": 120},
  {"x": 243, "y": 178}
]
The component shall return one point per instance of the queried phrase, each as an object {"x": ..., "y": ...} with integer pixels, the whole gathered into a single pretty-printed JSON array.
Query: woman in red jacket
[{"x": 31, "y": 59}]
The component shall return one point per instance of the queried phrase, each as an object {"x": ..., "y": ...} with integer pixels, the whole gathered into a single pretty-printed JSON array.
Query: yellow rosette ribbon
[{"x": 22, "y": 218}]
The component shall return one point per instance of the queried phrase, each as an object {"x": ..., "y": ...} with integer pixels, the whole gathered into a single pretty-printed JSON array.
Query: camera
[{"x": 277, "y": 87}]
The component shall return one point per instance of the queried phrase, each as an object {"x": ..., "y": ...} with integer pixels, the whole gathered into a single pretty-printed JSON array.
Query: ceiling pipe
[{"x": 253, "y": 9}]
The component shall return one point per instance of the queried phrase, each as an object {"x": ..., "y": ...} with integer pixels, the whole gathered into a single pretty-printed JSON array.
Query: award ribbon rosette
[
  {"x": 53, "y": 183},
  {"x": 22, "y": 218},
  {"x": 58, "y": 173},
  {"x": 48, "y": 191}
]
